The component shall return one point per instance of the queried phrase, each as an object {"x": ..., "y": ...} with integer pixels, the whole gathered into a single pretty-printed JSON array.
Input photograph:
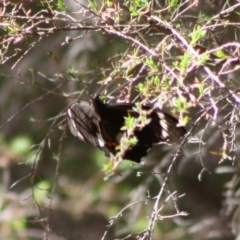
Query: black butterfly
[{"x": 100, "y": 124}]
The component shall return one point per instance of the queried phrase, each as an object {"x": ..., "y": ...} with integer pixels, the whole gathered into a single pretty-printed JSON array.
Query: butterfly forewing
[{"x": 82, "y": 122}]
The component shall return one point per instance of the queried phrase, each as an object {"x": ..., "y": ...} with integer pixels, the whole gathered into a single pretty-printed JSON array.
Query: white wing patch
[
  {"x": 69, "y": 112},
  {"x": 164, "y": 125},
  {"x": 100, "y": 140},
  {"x": 73, "y": 126}
]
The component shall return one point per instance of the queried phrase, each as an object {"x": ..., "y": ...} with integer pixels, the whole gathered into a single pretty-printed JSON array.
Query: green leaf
[
  {"x": 138, "y": 6},
  {"x": 197, "y": 34},
  {"x": 173, "y": 3},
  {"x": 201, "y": 88},
  {"x": 107, "y": 167},
  {"x": 133, "y": 141},
  {"x": 204, "y": 58},
  {"x": 220, "y": 54},
  {"x": 185, "y": 62},
  {"x": 185, "y": 120},
  {"x": 61, "y": 5},
  {"x": 141, "y": 88},
  {"x": 72, "y": 71},
  {"x": 181, "y": 104},
  {"x": 152, "y": 64},
  {"x": 155, "y": 81}
]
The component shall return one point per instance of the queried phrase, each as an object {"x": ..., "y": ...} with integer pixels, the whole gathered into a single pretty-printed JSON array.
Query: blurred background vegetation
[{"x": 178, "y": 55}]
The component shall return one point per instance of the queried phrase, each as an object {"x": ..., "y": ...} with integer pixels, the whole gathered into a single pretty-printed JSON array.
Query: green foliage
[
  {"x": 204, "y": 58},
  {"x": 220, "y": 54},
  {"x": 108, "y": 3},
  {"x": 93, "y": 5},
  {"x": 137, "y": 6},
  {"x": 197, "y": 34},
  {"x": 173, "y": 3},
  {"x": 203, "y": 18},
  {"x": 12, "y": 28},
  {"x": 152, "y": 86},
  {"x": 186, "y": 61},
  {"x": 130, "y": 123},
  {"x": 155, "y": 81},
  {"x": 73, "y": 72},
  {"x": 153, "y": 65},
  {"x": 21, "y": 145},
  {"x": 61, "y": 5},
  {"x": 201, "y": 88},
  {"x": 41, "y": 191},
  {"x": 142, "y": 89},
  {"x": 181, "y": 104}
]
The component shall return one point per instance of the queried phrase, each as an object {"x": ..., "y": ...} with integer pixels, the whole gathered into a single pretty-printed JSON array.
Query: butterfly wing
[
  {"x": 82, "y": 122},
  {"x": 100, "y": 124},
  {"x": 161, "y": 128},
  {"x": 170, "y": 129}
]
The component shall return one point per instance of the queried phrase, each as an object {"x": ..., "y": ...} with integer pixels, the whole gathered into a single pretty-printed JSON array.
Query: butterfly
[{"x": 101, "y": 124}]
